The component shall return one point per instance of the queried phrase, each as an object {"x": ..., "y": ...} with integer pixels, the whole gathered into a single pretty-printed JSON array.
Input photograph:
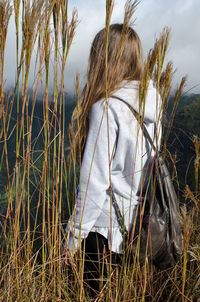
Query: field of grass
[{"x": 38, "y": 189}]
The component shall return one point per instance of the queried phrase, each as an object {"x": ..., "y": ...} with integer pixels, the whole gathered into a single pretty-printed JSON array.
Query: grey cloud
[{"x": 151, "y": 16}]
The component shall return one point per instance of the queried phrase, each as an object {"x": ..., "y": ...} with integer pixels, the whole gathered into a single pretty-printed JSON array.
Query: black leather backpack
[{"x": 157, "y": 232}]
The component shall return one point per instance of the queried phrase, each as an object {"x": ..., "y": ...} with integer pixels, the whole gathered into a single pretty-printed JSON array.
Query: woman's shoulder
[
  {"x": 113, "y": 105},
  {"x": 119, "y": 112},
  {"x": 103, "y": 107},
  {"x": 112, "y": 109}
]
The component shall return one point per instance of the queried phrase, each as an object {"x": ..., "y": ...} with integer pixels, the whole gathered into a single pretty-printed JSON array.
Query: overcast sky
[{"x": 181, "y": 16}]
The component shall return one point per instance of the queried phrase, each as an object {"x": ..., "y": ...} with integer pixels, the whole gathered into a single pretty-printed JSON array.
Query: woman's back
[{"x": 116, "y": 154}]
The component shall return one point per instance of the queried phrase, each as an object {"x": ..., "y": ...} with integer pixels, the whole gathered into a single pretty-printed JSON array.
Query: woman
[{"x": 114, "y": 152}]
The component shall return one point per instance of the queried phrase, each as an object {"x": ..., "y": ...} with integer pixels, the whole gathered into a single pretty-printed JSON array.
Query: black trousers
[{"x": 97, "y": 261}]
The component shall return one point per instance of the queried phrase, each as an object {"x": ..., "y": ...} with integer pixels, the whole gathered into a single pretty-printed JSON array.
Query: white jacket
[{"x": 130, "y": 155}]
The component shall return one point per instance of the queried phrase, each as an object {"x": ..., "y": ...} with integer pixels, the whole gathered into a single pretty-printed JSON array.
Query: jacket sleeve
[{"x": 94, "y": 178}]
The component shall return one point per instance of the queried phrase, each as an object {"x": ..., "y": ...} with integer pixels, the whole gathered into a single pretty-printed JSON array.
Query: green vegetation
[
  {"x": 37, "y": 183},
  {"x": 181, "y": 142},
  {"x": 188, "y": 117}
]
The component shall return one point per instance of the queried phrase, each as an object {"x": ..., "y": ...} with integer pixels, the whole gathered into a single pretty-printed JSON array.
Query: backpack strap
[{"x": 120, "y": 219}]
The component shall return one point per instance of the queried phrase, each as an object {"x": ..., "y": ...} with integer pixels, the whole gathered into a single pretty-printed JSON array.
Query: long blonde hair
[{"x": 124, "y": 62}]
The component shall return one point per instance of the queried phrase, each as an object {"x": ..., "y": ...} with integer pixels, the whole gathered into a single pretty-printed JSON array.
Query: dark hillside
[
  {"x": 188, "y": 118},
  {"x": 37, "y": 145},
  {"x": 185, "y": 100},
  {"x": 181, "y": 140}
]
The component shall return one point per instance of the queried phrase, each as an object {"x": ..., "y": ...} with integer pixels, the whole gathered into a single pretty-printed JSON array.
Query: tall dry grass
[{"x": 27, "y": 274}]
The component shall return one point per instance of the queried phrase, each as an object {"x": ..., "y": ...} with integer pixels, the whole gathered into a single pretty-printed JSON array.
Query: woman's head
[{"x": 124, "y": 62}]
